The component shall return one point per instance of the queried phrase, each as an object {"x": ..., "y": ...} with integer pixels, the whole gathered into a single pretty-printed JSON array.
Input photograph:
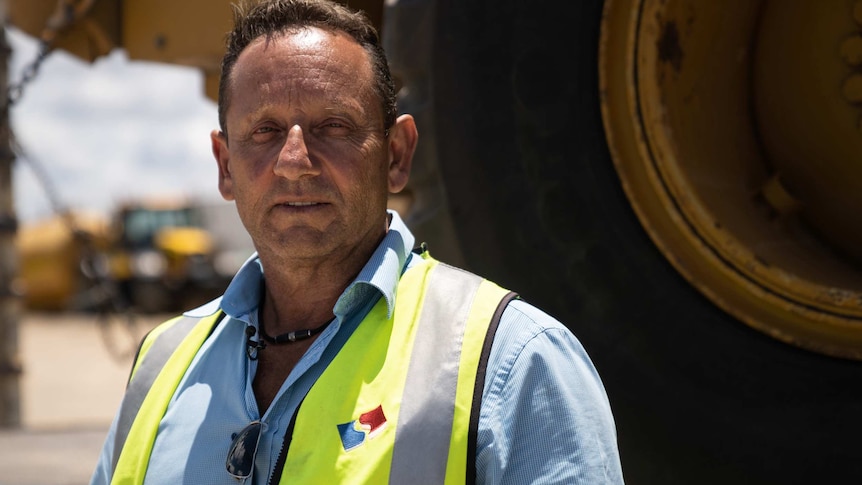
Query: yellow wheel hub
[{"x": 736, "y": 129}]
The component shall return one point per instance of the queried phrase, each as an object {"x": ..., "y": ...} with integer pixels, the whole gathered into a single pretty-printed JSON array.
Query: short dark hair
[{"x": 272, "y": 17}]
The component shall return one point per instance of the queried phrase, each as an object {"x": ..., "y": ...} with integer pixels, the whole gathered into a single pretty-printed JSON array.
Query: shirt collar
[{"x": 379, "y": 276}]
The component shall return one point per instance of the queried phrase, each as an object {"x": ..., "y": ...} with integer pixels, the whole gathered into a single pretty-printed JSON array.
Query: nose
[{"x": 294, "y": 161}]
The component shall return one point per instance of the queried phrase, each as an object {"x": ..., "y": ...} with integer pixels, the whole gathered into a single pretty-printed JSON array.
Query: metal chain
[
  {"x": 16, "y": 90},
  {"x": 66, "y": 14},
  {"x": 43, "y": 179},
  {"x": 114, "y": 312},
  {"x": 115, "y": 318}
]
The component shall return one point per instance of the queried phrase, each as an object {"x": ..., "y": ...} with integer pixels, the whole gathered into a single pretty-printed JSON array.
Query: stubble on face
[{"x": 308, "y": 159}]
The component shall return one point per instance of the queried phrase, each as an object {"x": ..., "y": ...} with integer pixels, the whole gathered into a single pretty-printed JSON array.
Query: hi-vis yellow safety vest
[{"x": 398, "y": 404}]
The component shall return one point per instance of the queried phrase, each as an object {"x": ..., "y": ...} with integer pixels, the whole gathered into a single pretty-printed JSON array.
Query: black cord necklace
[
  {"x": 284, "y": 338},
  {"x": 289, "y": 337}
]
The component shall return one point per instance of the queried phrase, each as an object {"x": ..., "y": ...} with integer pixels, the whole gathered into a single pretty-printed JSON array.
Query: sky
[{"x": 109, "y": 131}]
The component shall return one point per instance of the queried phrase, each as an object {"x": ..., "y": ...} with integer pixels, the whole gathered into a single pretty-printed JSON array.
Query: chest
[{"x": 275, "y": 363}]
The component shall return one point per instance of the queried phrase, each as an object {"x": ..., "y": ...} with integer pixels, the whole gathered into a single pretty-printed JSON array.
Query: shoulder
[
  {"x": 542, "y": 391},
  {"x": 529, "y": 337},
  {"x": 178, "y": 326}
]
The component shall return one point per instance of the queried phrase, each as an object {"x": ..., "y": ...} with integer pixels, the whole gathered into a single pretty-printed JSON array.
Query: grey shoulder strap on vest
[
  {"x": 154, "y": 360},
  {"x": 421, "y": 452}
]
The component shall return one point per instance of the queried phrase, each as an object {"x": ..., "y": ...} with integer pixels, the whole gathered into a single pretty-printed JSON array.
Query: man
[{"x": 338, "y": 354}]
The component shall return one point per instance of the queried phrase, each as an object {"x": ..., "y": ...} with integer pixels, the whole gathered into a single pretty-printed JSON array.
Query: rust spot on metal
[{"x": 668, "y": 45}]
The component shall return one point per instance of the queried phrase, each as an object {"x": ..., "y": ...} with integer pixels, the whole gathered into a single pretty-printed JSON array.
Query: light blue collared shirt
[{"x": 545, "y": 416}]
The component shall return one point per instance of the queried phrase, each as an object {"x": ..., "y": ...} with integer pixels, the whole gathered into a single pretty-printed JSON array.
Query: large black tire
[{"x": 698, "y": 396}]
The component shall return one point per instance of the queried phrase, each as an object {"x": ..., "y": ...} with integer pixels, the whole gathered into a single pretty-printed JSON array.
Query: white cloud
[{"x": 110, "y": 130}]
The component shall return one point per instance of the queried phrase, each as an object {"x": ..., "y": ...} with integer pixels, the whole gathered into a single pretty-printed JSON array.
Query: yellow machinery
[
  {"x": 156, "y": 252},
  {"x": 162, "y": 256},
  {"x": 50, "y": 255},
  {"x": 678, "y": 181}
]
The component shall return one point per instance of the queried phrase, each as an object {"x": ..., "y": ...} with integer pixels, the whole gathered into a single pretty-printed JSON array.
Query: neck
[
  {"x": 294, "y": 336},
  {"x": 292, "y": 311},
  {"x": 300, "y": 294}
]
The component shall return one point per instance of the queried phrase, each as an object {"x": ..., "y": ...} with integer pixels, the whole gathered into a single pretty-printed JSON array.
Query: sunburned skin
[
  {"x": 310, "y": 164},
  {"x": 307, "y": 156}
]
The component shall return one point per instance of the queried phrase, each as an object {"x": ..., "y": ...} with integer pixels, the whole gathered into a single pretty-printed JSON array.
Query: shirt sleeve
[
  {"x": 545, "y": 416},
  {"x": 102, "y": 474}
]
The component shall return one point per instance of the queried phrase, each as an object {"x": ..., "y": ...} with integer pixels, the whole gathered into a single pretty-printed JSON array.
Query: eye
[
  {"x": 264, "y": 133},
  {"x": 334, "y": 128}
]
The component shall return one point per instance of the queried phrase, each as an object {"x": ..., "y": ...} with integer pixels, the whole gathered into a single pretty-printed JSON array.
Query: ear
[
  {"x": 402, "y": 144},
  {"x": 222, "y": 156}
]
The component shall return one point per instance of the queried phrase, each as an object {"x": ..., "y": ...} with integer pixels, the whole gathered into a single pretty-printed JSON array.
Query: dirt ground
[{"x": 69, "y": 390}]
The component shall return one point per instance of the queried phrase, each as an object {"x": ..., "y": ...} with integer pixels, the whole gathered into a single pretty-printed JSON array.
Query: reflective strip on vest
[
  {"x": 144, "y": 374},
  {"x": 164, "y": 359},
  {"x": 423, "y": 451},
  {"x": 395, "y": 404}
]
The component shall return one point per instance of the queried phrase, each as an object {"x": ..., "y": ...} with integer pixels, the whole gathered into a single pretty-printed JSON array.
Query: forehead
[{"x": 304, "y": 65}]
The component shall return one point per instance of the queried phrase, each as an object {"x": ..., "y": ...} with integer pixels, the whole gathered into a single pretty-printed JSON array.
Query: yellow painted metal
[
  {"x": 187, "y": 32},
  {"x": 185, "y": 241},
  {"x": 49, "y": 273},
  {"x": 681, "y": 81},
  {"x": 191, "y": 32},
  {"x": 30, "y": 15},
  {"x": 184, "y": 32},
  {"x": 807, "y": 90},
  {"x": 89, "y": 37}
]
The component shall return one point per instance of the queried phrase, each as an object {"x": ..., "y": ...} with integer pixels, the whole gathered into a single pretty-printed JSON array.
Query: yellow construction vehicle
[
  {"x": 50, "y": 252},
  {"x": 161, "y": 255},
  {"x": 157, "y": 252},
  {"x": 678, "y": 181}
]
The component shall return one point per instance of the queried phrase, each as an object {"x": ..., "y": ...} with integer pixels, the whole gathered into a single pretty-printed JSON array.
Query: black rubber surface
[{"x": 699, "y": 397}]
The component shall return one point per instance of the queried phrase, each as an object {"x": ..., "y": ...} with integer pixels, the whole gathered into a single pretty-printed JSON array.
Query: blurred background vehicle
[
  {"x": 160, "y": 253},
  {"x": 162, "y": 256}
]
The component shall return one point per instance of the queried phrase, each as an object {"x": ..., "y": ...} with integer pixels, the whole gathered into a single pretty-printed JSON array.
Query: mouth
[{"x": 301, "y": 207}]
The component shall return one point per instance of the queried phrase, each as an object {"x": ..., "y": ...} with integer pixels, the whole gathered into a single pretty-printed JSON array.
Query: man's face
[{"x": 305, "y": 155}]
